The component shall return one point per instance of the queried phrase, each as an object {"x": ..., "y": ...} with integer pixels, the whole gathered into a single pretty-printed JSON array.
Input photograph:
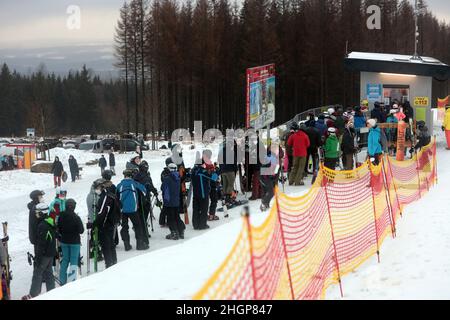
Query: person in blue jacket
[
  {"x": 128, "y": 193},
  {"x": 374, "y": 145},
  {"x": 321, "y": 126},
  {"x": 171, "y": 193}
]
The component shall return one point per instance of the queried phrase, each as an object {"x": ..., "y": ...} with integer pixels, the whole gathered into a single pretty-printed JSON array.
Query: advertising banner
[
  {"x": 421, "y": 102},
  {"x": 374, "y": 92},
  {"x": 260, "y": 96}
]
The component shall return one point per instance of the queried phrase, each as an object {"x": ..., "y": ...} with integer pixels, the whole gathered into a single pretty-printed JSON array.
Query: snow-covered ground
[{"x": 414, "y": 265}]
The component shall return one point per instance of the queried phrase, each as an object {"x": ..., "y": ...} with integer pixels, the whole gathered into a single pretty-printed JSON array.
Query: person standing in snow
[
  {"x": 171, "y": 193},
  {"x": 45, "y": 251},
  {"x": 73, "y": 166},
  {"x": 58, "y": 205},
  {"x": 348, "y": 146},
  {"x": 112, "y": 161},
  {"x": 332, "y": 149},
  {"x": 36, "y": 196},
  {"x": 102, "y": 164},
  {"x": 299, "y": 142},
  {"x": 70, "y": 227},
  {"x": 107, "y": 220},
  {"x": 128, "y": 193},
  {"x": 446, "y": 126},
  {"x": 57, "y": 170},
  {"x": 268, "y": 179},
  {"x": 375, "y": 149}
]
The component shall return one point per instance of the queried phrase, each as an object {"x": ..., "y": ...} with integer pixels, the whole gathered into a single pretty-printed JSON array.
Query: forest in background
[{"x": 186, "y": 61}]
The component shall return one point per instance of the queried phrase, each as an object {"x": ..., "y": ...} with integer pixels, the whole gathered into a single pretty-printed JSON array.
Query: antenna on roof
[{"x": 416, "y": 32}]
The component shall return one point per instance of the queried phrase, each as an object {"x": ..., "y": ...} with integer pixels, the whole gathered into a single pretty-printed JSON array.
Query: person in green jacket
[{"x": 332, "y": 149}]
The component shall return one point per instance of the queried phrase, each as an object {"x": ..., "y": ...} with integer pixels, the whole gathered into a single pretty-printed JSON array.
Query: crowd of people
[{"x": 7, "y": 162}]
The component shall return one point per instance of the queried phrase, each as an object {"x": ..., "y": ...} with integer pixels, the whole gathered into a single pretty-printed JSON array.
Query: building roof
[{"x": 396, "y": 63}]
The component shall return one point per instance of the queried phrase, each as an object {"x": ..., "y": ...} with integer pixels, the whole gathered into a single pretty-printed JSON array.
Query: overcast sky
[{"x": 37, "y": 24}]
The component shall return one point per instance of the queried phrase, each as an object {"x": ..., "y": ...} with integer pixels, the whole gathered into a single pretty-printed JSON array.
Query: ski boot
[
  {"x": 142, "y": 246},
  {"x": 27, "y": 297},
  {"x": 128, "y": 247},
  {"x": 181, "y": 235},
  {"x": 172, "y": 236}
]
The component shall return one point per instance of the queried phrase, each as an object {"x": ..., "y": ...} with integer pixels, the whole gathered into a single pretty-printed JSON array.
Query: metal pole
[
  {"x": 388, "y": 201},
  {"x": 374, "y": 211}
]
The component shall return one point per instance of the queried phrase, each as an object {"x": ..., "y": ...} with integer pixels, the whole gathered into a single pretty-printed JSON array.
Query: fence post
[
  {"x": 284, "y": 244},
  {"x": 418, "y": 173},
  {"x": 325, "y": 182},
  {"x": 395, "y": 187},
  {"x": 246, "y": 214},
  {"x": 388, "y": 201},
  {"x": 374, "y": 211}
]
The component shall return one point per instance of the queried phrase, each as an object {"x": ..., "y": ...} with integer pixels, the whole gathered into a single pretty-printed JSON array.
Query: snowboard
[{"x": 236, "y": 204}]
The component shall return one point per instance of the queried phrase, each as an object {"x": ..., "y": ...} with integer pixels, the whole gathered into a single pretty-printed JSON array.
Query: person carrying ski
[
  {"x": 57, "y": 170},
  {"x": 36, "y": 196},
  {"x": 108, "y": 217},
  {"x": 127, "y": 191},
  {"x": 299, "y": 142},
  {"x": 112, "y": 161},
  {"x": 45, "y": 253},
  {"x": 70, "y": 227},
  {"x": 171, "y": 193},
  {"x": 374, "y": 145},
  {"x": 102, "y": 164},
  {"x": 145, "y": 206},
  {"x": 73, "y": 166},
  {"x": 332, "y": 149}
]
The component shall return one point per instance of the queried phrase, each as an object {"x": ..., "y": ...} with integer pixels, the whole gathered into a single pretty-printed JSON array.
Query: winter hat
[
  {"x": 127, "y": 173},
  {"x": 71, "y": 204},
  {"x": 61, "y": 191},
  {"x": 41, "y": 210},
  {"x": 372, "y": 122},
  {"x": 393, "y": 111},
  {"x": 331, "y": 111},
  {"x": 107, "y": 174}
]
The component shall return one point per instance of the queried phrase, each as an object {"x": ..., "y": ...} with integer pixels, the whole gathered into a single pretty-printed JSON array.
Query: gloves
[
  {"x": 158, "y": 203},
  {"x": 372, "y": 160},
  {"x": 89, "y": 225},
  {"x": 443, "y": 128},
  {"x": 214, "y": 177}
]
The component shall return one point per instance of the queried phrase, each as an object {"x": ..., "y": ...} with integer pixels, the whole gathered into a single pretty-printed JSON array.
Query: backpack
[
  {"x": 383, "y": 140},
  {"x": 116, "y": 212}
]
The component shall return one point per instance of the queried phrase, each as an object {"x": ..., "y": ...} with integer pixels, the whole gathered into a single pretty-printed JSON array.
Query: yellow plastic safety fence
[{"x": 310, "y": 242}]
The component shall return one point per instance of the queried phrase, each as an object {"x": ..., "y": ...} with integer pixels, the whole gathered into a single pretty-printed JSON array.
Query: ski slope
[{"x": 415, "y": 265}]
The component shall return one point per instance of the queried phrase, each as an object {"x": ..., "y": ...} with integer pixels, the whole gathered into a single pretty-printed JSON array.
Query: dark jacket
[
  {"x": 73, "y": 165},
  {"x": 108, "y": 215},
  {"x": 231, "y": 166},
  {"x": 33, "y": 222},
  {"x": 321, "y": 127},
  {"x": 171, "y": 189},
  {"x": 423, "y": 137},
  {"x": 102, "y": 162},
  {"x": 376, "y": 113},
  {"x": 46, "y": 238},
  {"x": 57, "y": 168},
  {"x": 145, "y": 179},
  {"x": 112, "y": 160},
  {"x": 201, "y": 185},
  {"x": 348, "y": 141},
  {"x": 70, "y": 227},
  {"x": 408, "y": 111},
  {"x": 315, "y": 139}
]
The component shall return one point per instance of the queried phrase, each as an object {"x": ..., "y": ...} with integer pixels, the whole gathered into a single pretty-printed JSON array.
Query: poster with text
[{"x": 260, "y": 96}]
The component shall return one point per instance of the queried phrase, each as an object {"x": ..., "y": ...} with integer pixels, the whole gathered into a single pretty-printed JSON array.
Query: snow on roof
[{"x": 393, "y": 58}]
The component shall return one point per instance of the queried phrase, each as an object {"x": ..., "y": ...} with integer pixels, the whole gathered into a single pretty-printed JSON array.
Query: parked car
[
  {"x": 92, "y": 146},
  {"x": 125, "y": 145},
  {"x": 69, "y": 144},
  {"x": 110, "y": 142}
]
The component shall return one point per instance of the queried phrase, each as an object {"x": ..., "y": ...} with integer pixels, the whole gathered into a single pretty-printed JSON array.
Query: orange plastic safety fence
[{"x": 308, "y": 243}]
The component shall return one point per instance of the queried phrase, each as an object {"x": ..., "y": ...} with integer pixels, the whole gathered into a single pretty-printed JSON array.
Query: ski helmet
[
  {"x": 107, "y": 174},
  {"x": 34, "y": 195},
  {"x": 61, "y": 191},
  {"x": 71, "y": 204},
  {"x": 294, "y": 126},
  {"x": 172, "y": 167},
  {"x": 42, "y": 209},
  {"x": 332, "y": 130},
  {"x": 99, "y": 183},
  {"x": 128, "y": 173}
]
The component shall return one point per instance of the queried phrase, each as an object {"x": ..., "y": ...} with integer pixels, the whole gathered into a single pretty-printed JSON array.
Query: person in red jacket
[{"x": 299, "y": 142}]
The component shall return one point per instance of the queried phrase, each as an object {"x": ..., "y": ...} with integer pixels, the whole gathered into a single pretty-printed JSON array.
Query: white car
[
  {"x": 92, "y": 146},
  {"x": 4, "y": 142}
]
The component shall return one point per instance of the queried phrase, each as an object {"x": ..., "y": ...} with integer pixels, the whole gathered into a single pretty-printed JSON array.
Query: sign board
[
  {"x": 421, "y": 102},
  {"x": 30, "y": 132},
  {"x": 260, "y": 96},
  {"x": 374, "y": 92}
]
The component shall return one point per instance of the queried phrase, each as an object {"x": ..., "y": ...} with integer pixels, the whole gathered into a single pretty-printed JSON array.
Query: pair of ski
[
  {"x": 94, "y": 235},
  {"x": 6, "y": 277}
]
